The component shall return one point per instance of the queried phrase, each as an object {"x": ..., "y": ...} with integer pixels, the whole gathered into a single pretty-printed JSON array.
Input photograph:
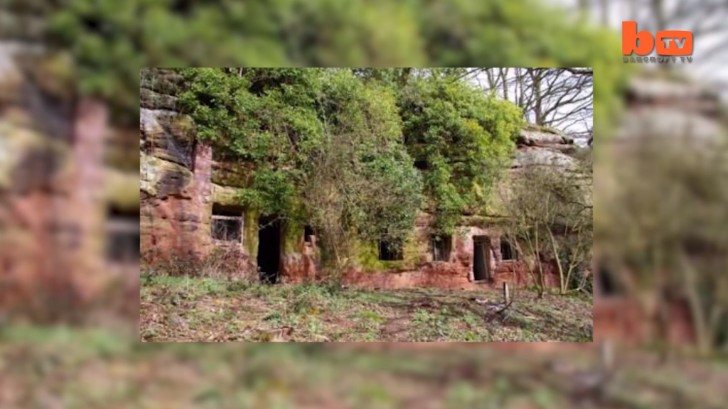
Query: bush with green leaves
[
  {"x": 323, "y": 146},
  {"x": 109, "y": 41},
  {"x": 461, "y": 138}
]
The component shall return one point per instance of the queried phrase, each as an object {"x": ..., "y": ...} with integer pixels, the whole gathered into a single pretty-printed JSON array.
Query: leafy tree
[
  {"x": 321, "y": 144},
  {"x": 461, "y": 140},
  {"x": 549, "y": 211},
  {"x": 362, "y": 183},
  {"x": 664, "y": 221},
  {"x": 267, "y": 118},
  {"x": 109, "y": 41}
]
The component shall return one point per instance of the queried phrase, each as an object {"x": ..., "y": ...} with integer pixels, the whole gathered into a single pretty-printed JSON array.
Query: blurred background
[{"x": 69, "y": 243}]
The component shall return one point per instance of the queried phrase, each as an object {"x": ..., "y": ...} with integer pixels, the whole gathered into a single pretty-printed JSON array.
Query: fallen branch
[{"x": 507, "y": 306}]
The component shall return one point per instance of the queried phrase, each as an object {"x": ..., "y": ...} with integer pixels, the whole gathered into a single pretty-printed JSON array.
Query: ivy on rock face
[
  {"x": 461, "y": 139},
  {"x": 315, "y": 139},
  {"x": 366, "y": 145}
]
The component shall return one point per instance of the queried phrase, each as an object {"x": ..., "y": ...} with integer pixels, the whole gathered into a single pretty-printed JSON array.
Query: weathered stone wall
[
  {"x": 455, "y": 273},
  {"x": 175, "y": 208},
  {"x": 55, "y": 188},
  {"x": 180, "y": 180},
  {"x": 626, "y": 320},
  {"x": 175, "y": 179},
  {"x": 301, "y": 265}
]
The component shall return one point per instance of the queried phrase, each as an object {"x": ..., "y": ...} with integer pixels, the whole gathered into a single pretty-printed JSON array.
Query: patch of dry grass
[{"x": 218, "y": 310}]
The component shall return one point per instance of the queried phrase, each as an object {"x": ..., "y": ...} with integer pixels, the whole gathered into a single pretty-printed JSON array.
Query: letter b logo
[{"x": 630, "y": 39}]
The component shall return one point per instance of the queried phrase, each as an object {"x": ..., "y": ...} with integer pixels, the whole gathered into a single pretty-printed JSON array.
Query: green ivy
[
  {"x": 280, "y": 123},
  {"x": 461, "y": 139},
  {"x": 109, "y": 41}
]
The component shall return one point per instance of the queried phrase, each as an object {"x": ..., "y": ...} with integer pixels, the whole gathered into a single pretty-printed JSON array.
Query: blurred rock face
[
  {"x": 671, "y": 109},
  {"x": 647, "y": 215},
  {"x": 54, "y": 193}
]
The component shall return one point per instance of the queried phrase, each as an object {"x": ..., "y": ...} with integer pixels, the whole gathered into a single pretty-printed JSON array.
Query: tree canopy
[
  {"x": 461, "y": 139},
  {"x": 109, "y": 41},
  {"x": 354, "y": 150}
]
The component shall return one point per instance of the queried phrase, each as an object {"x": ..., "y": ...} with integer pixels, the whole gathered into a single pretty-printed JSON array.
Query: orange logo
[{"x": 668, "y": 42}]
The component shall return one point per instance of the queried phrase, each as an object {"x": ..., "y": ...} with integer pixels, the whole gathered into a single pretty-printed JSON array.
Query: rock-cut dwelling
[{"x": 189, "y": 208}]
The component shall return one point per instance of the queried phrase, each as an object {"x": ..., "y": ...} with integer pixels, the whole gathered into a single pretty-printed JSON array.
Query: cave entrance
[
  {"x": 390, "y": 250},
  {"x": 308, "y": 234},
  {"x": 269, "y": 249},
  {"x": 481, "y": 245},
  {"x": 607, "y": 283}
]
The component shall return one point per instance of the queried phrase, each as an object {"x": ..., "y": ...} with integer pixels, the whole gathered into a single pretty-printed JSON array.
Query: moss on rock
[
  {"x": 292, "y": 235},
  {"x": 250, "y": 232},
  {"x": 226, "y": 195},
  {"x": 366, "y": 255},
  {"x": 121, "y": 189},
  {"x": 156, "y": 175},
  {"x": 231, "y": 174},
  {"x": 16, "y": 143}
]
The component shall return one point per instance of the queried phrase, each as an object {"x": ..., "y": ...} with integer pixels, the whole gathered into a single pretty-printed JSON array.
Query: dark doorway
[
  {"x": 607, "y": 282},
  {"x": 481, "y": 247},
  {"x": 269, "y": 249}
]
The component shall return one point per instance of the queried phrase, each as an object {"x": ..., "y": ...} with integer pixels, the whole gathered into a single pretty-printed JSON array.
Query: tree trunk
[
  {"x": 562, "y": 284},
  {"x": 658, "y": 10},
  {"x": 583, "y": 7},
  {"x": 538, "y": 100},
  {"x": 522, "y": 92},
  {"x": 541, "y": 287},
  {"x": 504, "y": 82}
]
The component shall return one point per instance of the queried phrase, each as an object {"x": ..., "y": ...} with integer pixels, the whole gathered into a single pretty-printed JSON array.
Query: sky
[
  {"x": 710, "y": 56},
  {"x": 577, "y": 126}
]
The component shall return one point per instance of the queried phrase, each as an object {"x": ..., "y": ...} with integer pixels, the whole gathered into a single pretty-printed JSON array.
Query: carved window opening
[
  {"x": 122, "y": 236},
  {"x": 607, "y": 283},
  {"x": 227, "y": 223},
  {"x": 508, "y": 252},
  {"x": 390, "y": 250},
  {"x": 441, "y": 247}
]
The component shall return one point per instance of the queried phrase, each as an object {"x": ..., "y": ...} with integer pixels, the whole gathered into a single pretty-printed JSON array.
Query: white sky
[{"x": 574, "y": 125}]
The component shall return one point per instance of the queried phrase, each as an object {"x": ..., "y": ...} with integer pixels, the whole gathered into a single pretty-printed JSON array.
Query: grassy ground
[
  {"x": 74, "y": 369},
  {"x": 206, "y": 309}
]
